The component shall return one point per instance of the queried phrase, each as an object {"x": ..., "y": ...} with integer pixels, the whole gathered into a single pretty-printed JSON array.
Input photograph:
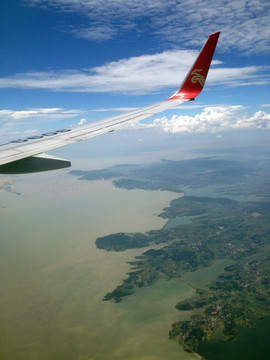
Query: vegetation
[
  {"x": 219, "y": 228},
  {"x": 122, "y": 241},
  {"x": 240, "y": 295}
]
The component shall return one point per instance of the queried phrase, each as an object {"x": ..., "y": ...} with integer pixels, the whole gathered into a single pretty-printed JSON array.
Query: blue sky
[{"x": 66, "y": 61}]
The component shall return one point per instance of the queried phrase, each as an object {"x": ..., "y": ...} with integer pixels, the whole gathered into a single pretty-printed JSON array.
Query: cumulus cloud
[
  {"x": 244, "y": 23},
  {"x": 213, "y": 120},
  {"x": 136, "y": 75}
]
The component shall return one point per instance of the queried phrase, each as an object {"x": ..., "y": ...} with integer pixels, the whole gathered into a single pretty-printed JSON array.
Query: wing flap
[{"x": 38, "y": 163}]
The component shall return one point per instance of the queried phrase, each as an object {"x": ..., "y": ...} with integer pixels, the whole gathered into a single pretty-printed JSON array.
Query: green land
[{"x": 214, "y": 228}]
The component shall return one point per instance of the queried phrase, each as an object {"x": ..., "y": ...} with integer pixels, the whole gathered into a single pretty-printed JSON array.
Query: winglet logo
[{"x": 197, "y": 77}]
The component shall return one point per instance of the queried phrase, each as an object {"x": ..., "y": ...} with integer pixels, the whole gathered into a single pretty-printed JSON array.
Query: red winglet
[{"x": 195, "y": 79}]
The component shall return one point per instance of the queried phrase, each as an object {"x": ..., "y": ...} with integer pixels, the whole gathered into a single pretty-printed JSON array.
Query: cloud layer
[
  {"x": 244, "y": 23},
  {"x": 12, "y": 122},
  {"x": 136, "y": 75},
  {"x": 47, "y": 113},
  {"x": 213, "y": 120}
]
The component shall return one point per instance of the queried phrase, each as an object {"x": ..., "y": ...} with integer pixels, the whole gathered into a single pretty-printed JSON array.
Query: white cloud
[
  {"x": 213, "y": 120},
  {"x": 244, "y": 23},
  {"x": 96, "y": 33},
  {"x": 48, "y": 113},
  {"x": 233, "y": 77},
  {"x": 136, "y": 75},
  {"x": 13, "y": 123},
  {"x": 260, "y": 120},
  {"x": 117, "y": 109}
]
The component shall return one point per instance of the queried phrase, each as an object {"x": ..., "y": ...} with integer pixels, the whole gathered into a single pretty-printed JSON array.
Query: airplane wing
[{"x": 27, "y": 155}]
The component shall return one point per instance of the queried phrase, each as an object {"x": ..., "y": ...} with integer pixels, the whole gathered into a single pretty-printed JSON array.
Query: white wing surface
[{"x": 27, "y": 155}]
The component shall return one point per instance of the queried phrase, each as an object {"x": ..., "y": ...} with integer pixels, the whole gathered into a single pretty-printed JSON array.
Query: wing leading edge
[{"x": 27, "y": 155}]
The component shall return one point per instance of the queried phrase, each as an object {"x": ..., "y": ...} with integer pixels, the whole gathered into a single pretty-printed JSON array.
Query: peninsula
[
  {"x": 200, "y": 231},
  {"x": 240, "y": 296}
]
